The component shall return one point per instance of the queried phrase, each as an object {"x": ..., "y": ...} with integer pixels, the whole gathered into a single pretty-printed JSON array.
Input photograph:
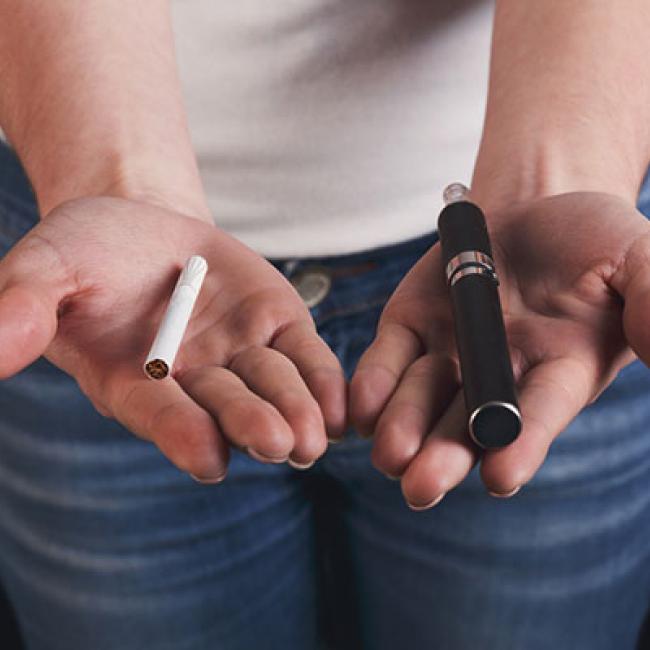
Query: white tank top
[{"x": 325, "y": 127}]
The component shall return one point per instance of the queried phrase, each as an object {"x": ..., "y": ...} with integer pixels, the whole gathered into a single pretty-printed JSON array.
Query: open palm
[
  {"x": 88, "y": 287},
  {"x": 575, "y": 288}
]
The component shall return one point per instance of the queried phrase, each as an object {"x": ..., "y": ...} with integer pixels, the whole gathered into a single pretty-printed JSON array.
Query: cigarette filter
[{"x": 174, "y": 323}]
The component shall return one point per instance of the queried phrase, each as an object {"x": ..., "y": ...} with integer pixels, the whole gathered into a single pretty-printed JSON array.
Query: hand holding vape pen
[
  {"x": 174, "y": 323},
  {"x": 488, "y": 384}
]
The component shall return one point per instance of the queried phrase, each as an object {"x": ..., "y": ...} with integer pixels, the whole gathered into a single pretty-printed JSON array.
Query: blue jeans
[{"x": 105, "y": 545}]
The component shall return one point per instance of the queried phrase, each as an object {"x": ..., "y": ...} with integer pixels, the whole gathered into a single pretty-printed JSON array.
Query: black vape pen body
[{"x": 488, "y": 384}]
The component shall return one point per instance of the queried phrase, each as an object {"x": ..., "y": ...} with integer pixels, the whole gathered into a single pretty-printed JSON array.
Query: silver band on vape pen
[{"x": 493, "y": 414}]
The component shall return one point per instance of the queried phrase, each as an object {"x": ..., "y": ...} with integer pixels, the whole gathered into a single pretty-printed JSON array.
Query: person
[{"x": 324, "y": 132}]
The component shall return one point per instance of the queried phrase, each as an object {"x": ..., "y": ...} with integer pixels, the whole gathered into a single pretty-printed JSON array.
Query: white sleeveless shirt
[{"x": 325, "y": 127}]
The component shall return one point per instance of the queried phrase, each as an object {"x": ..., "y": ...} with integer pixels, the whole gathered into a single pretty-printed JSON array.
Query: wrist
[
  {"x": 511, "y": 169},
  {"x": 99, "y": 112},
  {"x": 567, "y": 105},
  {"x": 118, "y": 175}
]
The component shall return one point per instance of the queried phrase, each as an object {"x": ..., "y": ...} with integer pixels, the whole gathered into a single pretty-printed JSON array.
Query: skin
[
  {"x": 91, "y": 102},
  {"x": 252, "y": 371},
  {"x": 98, "y": 121},
  {"x": 571, "y": 327},
  {"x": 564, "y": 149},
  {"x": 557, "y": 172}
]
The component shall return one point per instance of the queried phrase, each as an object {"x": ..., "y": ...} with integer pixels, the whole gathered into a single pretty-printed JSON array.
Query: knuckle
[
  {"x": 382, "y": 461},
  {"x": 255, "y": 422},
  {"x": 199, "y": 379},
  {"x": 120, "y": 404},
  {"x": 363, "y": 397},
  {"x": 428, "y": 365},
  {"x": 299, "y": 407},
  {"x": 301, "y": 341},
  {"x": 388, "y": 460},
  {"x": 190, "y": 378},
  {"x": 325, "y": 378},
  {"x": 167, "y": 419},
  {"x": 357, "y": 396},
  {"x": 190, "y": 449},
  {"x": 249, "y": 361},
  {"x": 392, "y": 429},
  {"x": 261, "y": 313},
  {"x": 246, "y": 413}
]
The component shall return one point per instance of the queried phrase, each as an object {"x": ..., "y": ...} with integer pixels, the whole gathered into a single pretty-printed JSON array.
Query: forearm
[
  {"x": 569, "y": 100},
  {"x": 90, "y": 99}
]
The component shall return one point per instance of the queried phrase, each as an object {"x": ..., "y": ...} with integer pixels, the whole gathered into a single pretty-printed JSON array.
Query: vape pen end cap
[{"x": 495, "y": 424}]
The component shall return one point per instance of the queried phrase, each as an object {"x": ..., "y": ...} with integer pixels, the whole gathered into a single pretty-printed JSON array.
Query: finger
[
  {"x": 423, "y": 394},
  {"x": 379, "y": 372},
  {"x": 245, "y": 419},
  {"x": 272, "y": 376},
  {"x": 632, "y": 281},
  {"x": 32, "y": 287},
  {"x": 321, "y": 371},
  {"x": 551, "y": 394},
  {"x": 446, "y": 457},
  {"x": 163, "y": 413}
]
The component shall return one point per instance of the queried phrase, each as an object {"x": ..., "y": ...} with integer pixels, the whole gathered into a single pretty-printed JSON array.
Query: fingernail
[
  {"x": 435, "y": 502},
  {"x": 505, "y": 495},
  {"x": 301, "y": 466},
  {"x": 265, "y": 459},
  {"x": 392, "y": 477},
  {"x": 334, "y": 441},
  {"x": 209, "y": 480}
]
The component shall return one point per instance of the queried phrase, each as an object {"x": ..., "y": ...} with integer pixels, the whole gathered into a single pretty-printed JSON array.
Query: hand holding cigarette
[{"x": 89, "y": 286}]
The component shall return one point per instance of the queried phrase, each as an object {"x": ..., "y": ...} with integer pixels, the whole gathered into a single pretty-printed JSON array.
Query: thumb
[
  {"x": 632, "y": 282},
  {"x": 30, "y": 293}
]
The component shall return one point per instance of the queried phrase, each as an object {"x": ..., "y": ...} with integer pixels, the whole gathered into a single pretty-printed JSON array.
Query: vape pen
[{"x": 488, "y": 384}]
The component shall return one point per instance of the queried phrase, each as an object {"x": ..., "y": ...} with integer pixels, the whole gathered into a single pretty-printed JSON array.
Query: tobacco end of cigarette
[{"x": 156, "y": 369}]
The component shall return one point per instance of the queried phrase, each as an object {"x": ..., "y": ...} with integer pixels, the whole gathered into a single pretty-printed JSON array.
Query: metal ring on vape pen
[
  {"x": 491, "y": 405},
  {"x": 468, "y": 257},
  {"x": 473, "y": 270}
]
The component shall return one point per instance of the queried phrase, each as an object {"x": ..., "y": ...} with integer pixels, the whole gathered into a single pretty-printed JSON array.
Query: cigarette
[{"x": 160, "y": 359}]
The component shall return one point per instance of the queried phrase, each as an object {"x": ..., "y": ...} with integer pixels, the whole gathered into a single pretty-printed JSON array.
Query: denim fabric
[{"x": 105, "y": 545}]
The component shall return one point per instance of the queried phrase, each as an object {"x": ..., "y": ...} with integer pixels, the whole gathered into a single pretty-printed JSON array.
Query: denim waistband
[
  {"x": 355, "y": 263},
  {"x": 344, "y": 285}
]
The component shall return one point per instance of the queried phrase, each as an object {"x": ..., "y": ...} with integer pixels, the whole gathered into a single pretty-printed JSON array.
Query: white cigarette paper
[{"x": 174, "y": 323}]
